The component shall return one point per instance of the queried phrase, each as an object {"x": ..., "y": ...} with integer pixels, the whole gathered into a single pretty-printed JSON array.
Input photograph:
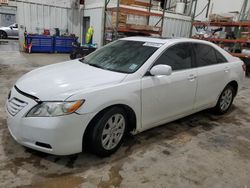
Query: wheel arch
[
  {"x": 4, "y": 32},
  {"x": 235, "y": 85},
  {"x": 131, "y": 115}
]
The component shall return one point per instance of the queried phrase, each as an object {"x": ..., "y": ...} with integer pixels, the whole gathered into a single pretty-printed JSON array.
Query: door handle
[{"x": 191, "y": 77}]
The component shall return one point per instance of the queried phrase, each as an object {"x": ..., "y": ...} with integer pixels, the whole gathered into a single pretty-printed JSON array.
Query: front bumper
[{"x": 60, "y": 135}]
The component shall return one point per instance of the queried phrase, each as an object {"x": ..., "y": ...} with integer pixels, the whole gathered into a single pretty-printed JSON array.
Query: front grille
[{"x": 15, "y": 105}]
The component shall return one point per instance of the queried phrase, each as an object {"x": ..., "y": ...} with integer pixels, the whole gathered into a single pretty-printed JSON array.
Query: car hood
[{"x": 60, "y": 81}]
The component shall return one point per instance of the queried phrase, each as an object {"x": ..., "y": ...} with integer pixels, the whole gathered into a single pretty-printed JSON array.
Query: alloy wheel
[
  {"x": 113, "y": 131},
  {"x": 226, "y": 99}
]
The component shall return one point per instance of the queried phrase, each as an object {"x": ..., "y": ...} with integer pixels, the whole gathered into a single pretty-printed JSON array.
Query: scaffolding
[{"x": 145, "y": 22}]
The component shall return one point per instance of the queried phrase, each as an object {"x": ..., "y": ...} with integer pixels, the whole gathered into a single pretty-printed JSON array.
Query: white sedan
[{"x": 130, "y": 85}]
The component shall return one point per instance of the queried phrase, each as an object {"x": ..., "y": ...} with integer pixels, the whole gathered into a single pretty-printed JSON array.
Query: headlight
[{"x": 50, "y": 109}]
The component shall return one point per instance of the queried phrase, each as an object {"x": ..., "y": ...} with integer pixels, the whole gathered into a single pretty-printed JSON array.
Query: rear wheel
[
  {"x": 3, "y": 35},
  {"x": 225, "y": 100},
  {"x": 108, "y": 132}
]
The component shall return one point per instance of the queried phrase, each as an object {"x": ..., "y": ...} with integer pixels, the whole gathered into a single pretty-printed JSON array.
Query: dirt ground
[{"x": 201, "y": 150}]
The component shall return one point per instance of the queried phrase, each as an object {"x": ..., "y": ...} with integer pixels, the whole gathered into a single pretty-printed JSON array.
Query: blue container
[
  {"x": 41, "y": 43},
  {"x": 63, "y": 44}
]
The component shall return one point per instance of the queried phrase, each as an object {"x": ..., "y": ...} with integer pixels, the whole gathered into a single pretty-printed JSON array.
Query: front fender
[
  {"x": 128, "y": 93},
  {"x": 4, "y": 31}
]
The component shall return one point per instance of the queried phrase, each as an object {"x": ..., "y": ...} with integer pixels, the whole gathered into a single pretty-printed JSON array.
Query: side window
[
  {"x": 205, "y": 55},
  {"x": 220, "y": 57},
  {"x": 15, "y": 26},
  {"x": 178, "y": 57}
]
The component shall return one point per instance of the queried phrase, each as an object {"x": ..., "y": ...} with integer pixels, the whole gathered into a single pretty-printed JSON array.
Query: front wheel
[
  {"x": 3, "y": 35},
  {"x": 225, "y": 100},
  {"x": 108, "y": 132}
]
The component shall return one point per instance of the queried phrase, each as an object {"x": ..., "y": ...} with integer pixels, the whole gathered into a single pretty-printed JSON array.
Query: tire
[
  {"x": 108, "y": 132},
  {"x": 3, "y": 35},
  {"x": 72, "y": 56},
  {"x": 225, "y": 100},
  {"x": 78, "y": 56}
]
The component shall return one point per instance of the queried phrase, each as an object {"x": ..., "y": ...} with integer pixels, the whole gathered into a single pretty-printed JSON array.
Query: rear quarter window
[
  {"x": 220, "y": 57},
  {"x": 207, "y": 55}
]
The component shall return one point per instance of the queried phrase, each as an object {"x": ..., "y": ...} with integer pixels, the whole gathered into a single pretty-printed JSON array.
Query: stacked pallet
[
  {"x": 134, "y": 2},
  {"x": 133, "y": 20},
  {"x": 122, "y": 19},
  {"x": 220, "y": 18},
  {"x": 123, "y": 23},
  {"x": 143, "y": 27}
]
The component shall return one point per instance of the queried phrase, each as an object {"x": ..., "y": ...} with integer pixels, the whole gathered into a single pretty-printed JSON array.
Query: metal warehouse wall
[
  {"x": 37, "y": 17},
  {"x": 58, "y": 3},
  {"x": 174, "y": 25},
  {"x": 7, "y": 15}
]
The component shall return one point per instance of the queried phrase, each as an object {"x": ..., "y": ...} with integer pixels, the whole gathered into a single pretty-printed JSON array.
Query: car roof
[
  {"x": 172, "y": 40},
  {"x": 163, "y": 40}
]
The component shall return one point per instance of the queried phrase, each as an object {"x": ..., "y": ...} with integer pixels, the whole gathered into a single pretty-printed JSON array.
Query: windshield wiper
[
  {"x": 115, "y": 70},
  {"x": 101, "y": 67},
  {"x": 82, "y": 60},
  {"x": 95, "y": 65}
]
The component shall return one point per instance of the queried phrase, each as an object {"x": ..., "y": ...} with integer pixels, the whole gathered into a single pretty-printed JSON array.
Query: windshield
[{"x": 122, "y": 56}]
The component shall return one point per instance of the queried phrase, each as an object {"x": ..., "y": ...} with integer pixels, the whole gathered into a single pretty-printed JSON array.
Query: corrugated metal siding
[
  {"x": 176, "y": 27},
  {"x": 7, "y": 19},
  {"x": 36, "y": 17},
  {"x": 58, "y": 3},
  {"x": 7, "y": 15}
]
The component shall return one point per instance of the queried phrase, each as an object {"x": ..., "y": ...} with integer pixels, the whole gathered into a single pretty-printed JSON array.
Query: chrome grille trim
[
  {"x": 15, "y": 105},
  {"x": 27, "y": 95}
]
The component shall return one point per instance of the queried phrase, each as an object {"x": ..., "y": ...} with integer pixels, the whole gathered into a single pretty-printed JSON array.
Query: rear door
[
  {"x": 166, "y": 97},
  {"x": 213, "y": 73}
]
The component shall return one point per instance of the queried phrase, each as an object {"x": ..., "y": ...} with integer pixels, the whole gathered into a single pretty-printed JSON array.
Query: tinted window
[
  {"x": 178, "y": 57},
  {"x": 205, "y": 55},
  {"x": 122, "y": 56},
  {"x": 220, "y": 57}
]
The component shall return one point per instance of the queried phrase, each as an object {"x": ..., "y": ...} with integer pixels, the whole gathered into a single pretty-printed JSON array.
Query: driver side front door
[{"x": 166, "y": 97}]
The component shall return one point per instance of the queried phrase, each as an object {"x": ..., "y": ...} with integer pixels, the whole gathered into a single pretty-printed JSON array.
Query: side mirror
[
  {"x": 159, "y": 70},
  {"x": 11, "y": 27}
]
